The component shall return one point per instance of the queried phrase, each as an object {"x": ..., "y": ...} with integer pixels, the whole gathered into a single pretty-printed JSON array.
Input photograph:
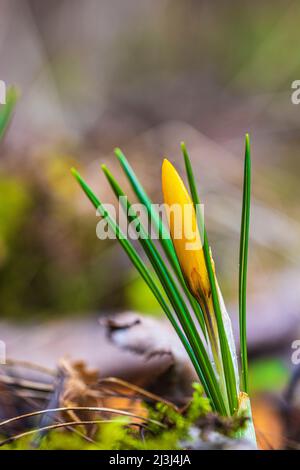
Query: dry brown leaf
[
  {"x": 82, "y": 388},
  {"x": 79, "y": 388}
]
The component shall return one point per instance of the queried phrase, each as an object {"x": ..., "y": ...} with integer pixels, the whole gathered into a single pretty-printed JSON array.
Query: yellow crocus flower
[
  {"x": 184, "y": 231},
  {"x": 187, "y": 243}
]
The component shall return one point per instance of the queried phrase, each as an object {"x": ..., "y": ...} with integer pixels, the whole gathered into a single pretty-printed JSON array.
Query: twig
[
  {"x": 60, "y": 425},
  {"x": 26, "y": 383},
  {"x": 30, "y": 365},
  {"x": 81, "y": 408},
  {"x": 139, "y": 390}
]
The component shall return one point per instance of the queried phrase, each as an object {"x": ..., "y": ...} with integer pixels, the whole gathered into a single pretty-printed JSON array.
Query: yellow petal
[{"x": 184, "y": 231}]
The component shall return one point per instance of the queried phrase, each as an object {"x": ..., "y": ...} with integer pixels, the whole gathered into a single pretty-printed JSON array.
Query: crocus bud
[{"x": 184, "y": 232}]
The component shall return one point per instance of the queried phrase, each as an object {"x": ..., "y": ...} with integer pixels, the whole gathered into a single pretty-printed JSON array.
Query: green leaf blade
[
  {"x": 243, "y": 265},
  {"x": 227, "y": 360},
  {"x": 163, "y": 233},
  {"x": 169, "y": 285},
  {"x": 195, "y": 350}
]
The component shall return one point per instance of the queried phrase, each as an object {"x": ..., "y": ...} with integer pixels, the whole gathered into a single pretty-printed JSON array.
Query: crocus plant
[{"x": 184, "y": 281}]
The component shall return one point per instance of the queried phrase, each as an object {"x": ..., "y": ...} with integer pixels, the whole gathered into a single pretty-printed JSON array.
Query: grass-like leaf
[
  {"x": 162, "y": 231},
  {"x": 191, "y": 341},
  {"x": 227, "y": 361},
  {"x": 244, "y": 242},
  {"x": 221, "y": 386},
  {"x": 173, "y": 294}
]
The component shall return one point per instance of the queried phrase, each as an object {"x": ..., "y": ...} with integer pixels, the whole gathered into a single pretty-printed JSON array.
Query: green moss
[{"x": 116, "y": 435}]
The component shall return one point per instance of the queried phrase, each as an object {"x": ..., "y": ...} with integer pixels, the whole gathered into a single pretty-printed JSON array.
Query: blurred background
[{"x": 144, "y": 75}]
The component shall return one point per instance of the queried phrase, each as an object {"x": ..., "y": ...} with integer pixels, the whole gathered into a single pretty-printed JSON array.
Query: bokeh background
[{"x": 144, "y": 75}]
